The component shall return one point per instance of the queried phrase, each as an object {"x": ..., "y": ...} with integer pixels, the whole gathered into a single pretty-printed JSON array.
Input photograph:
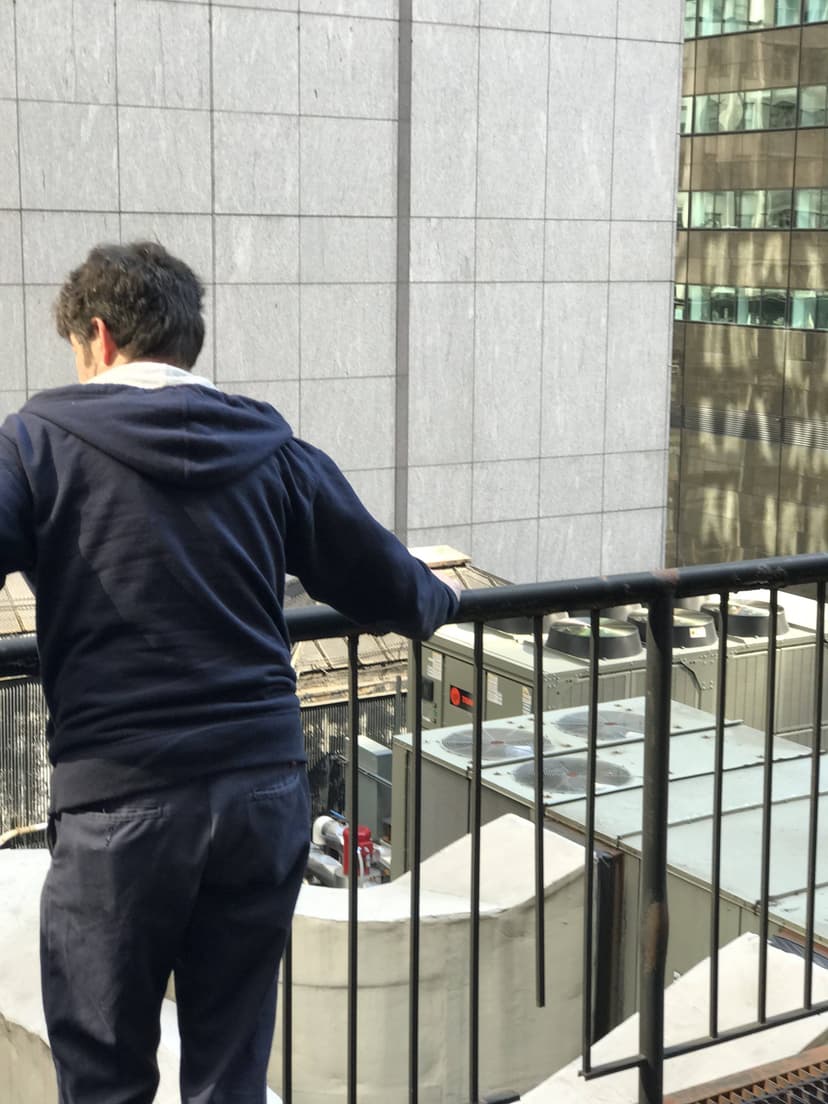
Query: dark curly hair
[{"x": 150, "y": 301}]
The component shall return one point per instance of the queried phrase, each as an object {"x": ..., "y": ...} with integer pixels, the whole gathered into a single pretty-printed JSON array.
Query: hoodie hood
[{"x": 187, "y": 435}]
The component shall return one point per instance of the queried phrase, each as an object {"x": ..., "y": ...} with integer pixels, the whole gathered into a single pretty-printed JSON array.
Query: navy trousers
[{"x": 199, "y": 881}]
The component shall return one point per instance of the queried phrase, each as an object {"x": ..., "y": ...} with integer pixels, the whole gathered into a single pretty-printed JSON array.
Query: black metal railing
[{"x": 658, "y": 591}]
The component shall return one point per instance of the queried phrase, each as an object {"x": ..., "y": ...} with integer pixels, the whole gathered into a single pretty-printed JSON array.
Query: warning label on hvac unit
[
  {"x": 461, "y": 699},
  {"x": 434, "y": 666},
  {"x": 526, "y": 699},
  {"x": 493, "y": 691}
]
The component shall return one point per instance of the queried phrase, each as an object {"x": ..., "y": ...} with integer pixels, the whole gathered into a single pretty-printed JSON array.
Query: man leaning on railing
[{"x": 157, "y": 516}]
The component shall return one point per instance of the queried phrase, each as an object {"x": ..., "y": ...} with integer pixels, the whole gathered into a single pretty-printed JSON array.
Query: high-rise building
[{"x": 749, "y": 402}]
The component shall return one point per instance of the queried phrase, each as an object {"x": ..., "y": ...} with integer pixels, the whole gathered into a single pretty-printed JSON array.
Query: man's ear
[{"x": 106, "y": 343}]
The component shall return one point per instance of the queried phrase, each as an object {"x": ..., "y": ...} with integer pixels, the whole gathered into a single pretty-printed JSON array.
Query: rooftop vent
[
  {"x": 566, "y": 774},
  {"x": 613, "y": 724},
  {"x": 691, "y": 629},
  {"x": 499, "y": 742},
  {"x": 749, "y": 619},
  {"x": 616, "y": 639}
]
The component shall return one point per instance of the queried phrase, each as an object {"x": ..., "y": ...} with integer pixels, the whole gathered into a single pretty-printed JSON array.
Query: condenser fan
[
  {"x": 749, "y": 618},
  {"x": 691, "y": 628},
  {"x": 613, "y": 724},
  {"x": 499, "y": 742},
  {"x": 566, "y": 774},
  {"x": 616, "y": 639}
]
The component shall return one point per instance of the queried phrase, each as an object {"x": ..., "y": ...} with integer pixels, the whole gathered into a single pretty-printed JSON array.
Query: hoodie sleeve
[
  {"x": 344, "y": 557},
  {"x": 16, "y": 520}
]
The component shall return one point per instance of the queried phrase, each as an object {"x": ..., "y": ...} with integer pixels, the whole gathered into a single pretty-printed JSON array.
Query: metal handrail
[{"x": 659, "y": 590}]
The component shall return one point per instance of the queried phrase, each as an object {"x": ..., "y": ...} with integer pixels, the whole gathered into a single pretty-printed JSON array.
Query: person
[{"x": 157, "y": 517}]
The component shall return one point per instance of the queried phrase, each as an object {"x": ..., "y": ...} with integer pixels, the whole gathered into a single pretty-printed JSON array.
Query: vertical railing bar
[
  {"x": 540, "y": 891},
  {"x": 416, "y": 854},
  {"x": 718, "y": 780},
  {"x": 816, "y": 749},
  {"x": 767, "y": 798},
  {"x": 474, "y": 904},
  {"x": 353, "y": 867},
  {"x": 589, "y": 846},
  {"x": 287, "y": 1022},
  {"x": 654, "y": 915}
]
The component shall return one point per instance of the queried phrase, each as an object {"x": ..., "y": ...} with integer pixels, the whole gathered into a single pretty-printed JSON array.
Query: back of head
[{"x": 150, "y": 301}]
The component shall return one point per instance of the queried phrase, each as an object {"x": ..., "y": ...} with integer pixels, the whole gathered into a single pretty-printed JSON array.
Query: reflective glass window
[
  {"x": 750, "y": 209},
  {"x": 783, "y": 108},
  {"x": 812, "y": 104},
  {"x": 816, "y": 11},
  {"x": 774, "y": 307},
  {"x": 822, "y": 310},
  {"x": 757, "y": 109},
  {"x": 808, "y": 204},
  {"x": 689, "y": 18},
  {"x": 707, "y": 114},
  {"x": 683, "y": 213},
  {"x": 803, "y": 310},
  {"x": 698, "y": 303},
  {"x": 723, "y": 304},
  {"x": 732, "y": 111},
  {"x": 787, "y": 12},
  {"x": 706, "y": 210},
  {"x": 734, "y": 16},
  {"x": 686, "y": 123},
  {"x": 748, "y": 306},
  {"x": 679, "y": 302},
  {"x": 710, "y": 17},
  {"x": 779, "y": 215}
]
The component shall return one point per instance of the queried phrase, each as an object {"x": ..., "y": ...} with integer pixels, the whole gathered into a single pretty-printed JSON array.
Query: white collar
[{"x": 149, "y": 374}]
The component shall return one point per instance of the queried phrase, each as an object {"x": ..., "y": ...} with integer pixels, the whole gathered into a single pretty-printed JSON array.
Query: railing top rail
[{"x": 18, "y": 654}]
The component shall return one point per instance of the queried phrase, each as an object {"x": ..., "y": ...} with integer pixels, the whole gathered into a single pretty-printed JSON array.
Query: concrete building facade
[{"x": 438, "y": 235}]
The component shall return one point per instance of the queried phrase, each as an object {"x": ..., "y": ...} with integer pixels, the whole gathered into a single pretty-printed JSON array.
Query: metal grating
[{"x": 802, "y": 1079}]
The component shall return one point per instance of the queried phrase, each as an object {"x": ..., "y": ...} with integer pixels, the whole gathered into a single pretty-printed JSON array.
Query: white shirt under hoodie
[{"x": 149, "y": 374}]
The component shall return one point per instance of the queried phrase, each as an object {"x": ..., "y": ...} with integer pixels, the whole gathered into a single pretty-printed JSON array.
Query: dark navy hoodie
[{"x": 158, "y": 526}]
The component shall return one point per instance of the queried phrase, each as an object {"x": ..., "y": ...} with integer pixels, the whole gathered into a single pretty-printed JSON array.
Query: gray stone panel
[
  {"x": 351, "y": 419},
  {"x": 375, "y": 488},
  {"x": 574, "y": 369},
  {"x": 56, "y": 242},
  {"x": 11, "y": 264},
  {"x": 661, "y": 22},
  {"x": 373, "y": 9},
  {"x": 644, "y": 166},
  {"x": 60, "y": 145},
  {"x": 571, "y": 485},
  {"x": 257, "y": 249},
  {"x": 446, "y": 11},
  {"x": 635, "y": 480},
  {"x": 455, "y": 536},
  {"x": 569, "y": 547},
  {"x": 511, "y": 156},
  {"x": 255, "y": 61},
  {"x": 257, "y": 332},
  {"x": 518, "y": 15},
  {"x": 638, "y": 372},
  {"x": 439, "y": 495},
  {"x": 8, "y": 84},
  {"x": 587, "y": 17},
  {"x": 444, "y": 121},
  {"x": 505, "y": 490},
  {"x": 642, "y": 251},
  {"x": 256, "y": 164},
  {"x": 342, "y": 250},
  {"x": 264, "y": 5},
  {"x": 165, "y": 159},
  {"x": 348, "y": 167},
  {"x": 14, "y": 343},
  {"x": 441, "y": 374},
  {"x": 348, "y": 330},
  {"x": 509, "y": 249},
  {"x": 349, "y": 67},
  {"x": 163, "y": 54},
  {"x": 9, "y": 163},
  {"x": 633, "y": 540},
  {"x": 507, "y": 380},
  {"x": 10, "y": 402},
  {"x": 577, "y": 251},
  {"x": 66, "y": 50},
  {"x": 507, "y": 548},
  {"x": 187, "y": 236},
  {"x": 581, "y": 84},
  {"x": 442, "y": 249},
  {"x": 49, "y": 359}
]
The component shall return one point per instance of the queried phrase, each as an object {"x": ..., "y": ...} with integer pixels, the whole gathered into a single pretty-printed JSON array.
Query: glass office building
[{"x": 750, "y": 402}]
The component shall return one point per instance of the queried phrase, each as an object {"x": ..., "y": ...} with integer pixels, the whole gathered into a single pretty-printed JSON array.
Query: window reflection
[
  {"x": 811, "y": 209},
  {"x": 816, "y": 11},
  {"x": 756, "y": 109},
  {"x": 752, "y": 306},
  {"x": 812, "y": 103},
  {"x": 683, "y": 211},
  {"x": 717, "y": 17},
  {"x": 747, "y": 209}
]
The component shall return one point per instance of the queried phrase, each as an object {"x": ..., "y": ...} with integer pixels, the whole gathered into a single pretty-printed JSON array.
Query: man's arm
[
  {"x": 344, "y": 557},
  {"x": 17, "y": 551}
]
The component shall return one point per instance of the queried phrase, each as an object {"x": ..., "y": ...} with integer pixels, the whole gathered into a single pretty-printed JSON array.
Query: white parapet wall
[
  {"x": 686, "y": 1013},
  {"x": 520, "y": 1044}
]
